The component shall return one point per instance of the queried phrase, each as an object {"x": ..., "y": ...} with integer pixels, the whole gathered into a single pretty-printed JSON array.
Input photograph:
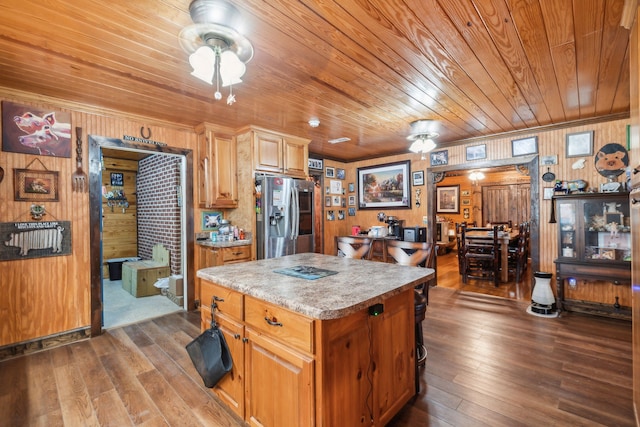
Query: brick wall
[{"x": 158, "y": 210}]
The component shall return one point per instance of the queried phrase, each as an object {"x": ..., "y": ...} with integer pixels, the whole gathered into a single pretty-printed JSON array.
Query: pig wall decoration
[{"x": 611, "y": 160}]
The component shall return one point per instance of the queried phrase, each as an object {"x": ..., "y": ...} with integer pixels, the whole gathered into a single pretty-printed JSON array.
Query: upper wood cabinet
[
  {"x": 279, "y": 153},
  {"x": 217, "y": 167}
]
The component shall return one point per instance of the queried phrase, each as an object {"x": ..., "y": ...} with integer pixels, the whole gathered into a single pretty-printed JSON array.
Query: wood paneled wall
[
  {"x": 550, "y": 142},
  {"x": 119, "y": 226},
  {"x": 46, "y": 296}
]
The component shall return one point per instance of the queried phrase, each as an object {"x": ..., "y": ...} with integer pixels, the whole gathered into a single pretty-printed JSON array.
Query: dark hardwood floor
[{"x": 489, "y": 364}]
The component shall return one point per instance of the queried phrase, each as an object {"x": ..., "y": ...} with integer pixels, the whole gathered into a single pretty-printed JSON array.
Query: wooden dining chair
[
  {"x": 460, "y": 231},
  {"x": 504, "y": 224},
  {"x": 352, "y": 247},
  {"x": 518, "y": 254},
  {"x": 482, "y": 254},
  {"x": 416, "y": 254}
]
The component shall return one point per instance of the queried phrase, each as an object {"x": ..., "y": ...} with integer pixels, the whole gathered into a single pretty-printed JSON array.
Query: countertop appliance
[
  {"x": 395, "y": 226},
  {"x": 414, "y": 234},
  {"x": 284, "y": 216}
]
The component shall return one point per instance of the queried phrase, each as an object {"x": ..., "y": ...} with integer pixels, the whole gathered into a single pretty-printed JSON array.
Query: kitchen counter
[
  {"x": 357, "y": 284},
  {"x": 231, "y": 244}
]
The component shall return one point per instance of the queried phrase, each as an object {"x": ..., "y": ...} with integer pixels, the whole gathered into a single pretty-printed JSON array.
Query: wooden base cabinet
[{"x": 291, "y": 370}]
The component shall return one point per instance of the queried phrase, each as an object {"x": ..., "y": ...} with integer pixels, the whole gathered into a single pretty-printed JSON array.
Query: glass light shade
[
  {"x": 203, "y": 62},
  {"x": 476, "y": 176},
  {"x": 231, "y": 68},
  {"x": 422, "y": 145}
]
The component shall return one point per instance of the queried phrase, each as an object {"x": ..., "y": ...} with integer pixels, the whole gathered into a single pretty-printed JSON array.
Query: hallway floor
[{"x": 121, "y": 308}]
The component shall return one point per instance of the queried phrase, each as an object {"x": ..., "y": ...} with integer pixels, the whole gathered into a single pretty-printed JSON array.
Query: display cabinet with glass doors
[{"x": 593, "y": 268}]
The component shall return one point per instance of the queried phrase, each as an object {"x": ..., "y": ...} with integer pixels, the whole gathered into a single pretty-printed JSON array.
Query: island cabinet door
[
  {"x": 279, "y": 384},
  {"x": 230, "y": 389},
  {"x": 394, "y": 352}
]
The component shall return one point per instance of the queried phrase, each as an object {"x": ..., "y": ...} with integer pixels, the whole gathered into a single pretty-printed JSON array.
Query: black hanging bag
[{"x": 210, "y": 354}]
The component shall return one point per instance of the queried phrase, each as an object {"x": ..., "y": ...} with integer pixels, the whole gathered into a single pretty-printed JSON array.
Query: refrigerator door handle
[{"x": 295, "y": 212}]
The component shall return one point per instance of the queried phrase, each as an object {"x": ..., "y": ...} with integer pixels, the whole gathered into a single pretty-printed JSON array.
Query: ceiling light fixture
[
  {"x": 218, "y": 52},
  {"x": 476, "y": 176},
  {"x": 314, "y": 123},
  {"x": 422, "y": 137},
  {"x": 338, "y": 140}
]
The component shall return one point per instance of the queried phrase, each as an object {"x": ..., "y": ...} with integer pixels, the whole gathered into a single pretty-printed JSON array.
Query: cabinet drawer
[
  {"x": 291, "y": 328},
  {"x": 228, "y": 301},
  {"x": 236, "y": 253}
]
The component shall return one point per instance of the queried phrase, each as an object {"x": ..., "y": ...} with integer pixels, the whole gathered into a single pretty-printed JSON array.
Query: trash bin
[{"x": 115, "y": 267}]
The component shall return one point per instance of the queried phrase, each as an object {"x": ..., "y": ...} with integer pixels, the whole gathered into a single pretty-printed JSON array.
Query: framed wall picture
[
  {"x": 439, "y": 158},
  {"x": 336, "y": 186},
  {"x": 448, "y": 199},
  {"x": 117, "y": 179},
  {"x": 477, "y": 152},
  {"x": 327, "y": 201},
  {"x": 418, "y": 177},
  {"x": 524, "y": 146},
  {"x": 30, "y": 130},
  {"x": 547, "y": 193},
  {"x": 580, "y": 144},
  {"x": 466, "y": 202},
  {"x": 352, "y": 200},
  {"x": 384, "y": 186},
  {"x": 329, "y": 172},
  {"x": 352, "y": 187},
  {"x": 35, "y": 185},
  {"x": 340, "y": 173},
  {"x": 211, "y": 220}
]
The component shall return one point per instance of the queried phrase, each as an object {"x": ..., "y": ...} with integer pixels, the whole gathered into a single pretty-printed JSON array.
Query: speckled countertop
[
  {"x": 358, "y": 283},
  {"x": 231, "y": 244}
]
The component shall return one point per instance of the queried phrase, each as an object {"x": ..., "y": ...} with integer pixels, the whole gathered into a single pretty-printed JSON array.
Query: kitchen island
[{"x": 316, "y": 340}]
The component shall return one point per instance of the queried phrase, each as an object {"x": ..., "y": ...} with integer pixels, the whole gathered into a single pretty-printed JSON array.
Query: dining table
[{"x": 504, "y": 238}]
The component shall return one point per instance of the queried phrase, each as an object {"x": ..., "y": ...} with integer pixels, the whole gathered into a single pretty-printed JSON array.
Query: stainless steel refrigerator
[{"x": 284, "y": 216}]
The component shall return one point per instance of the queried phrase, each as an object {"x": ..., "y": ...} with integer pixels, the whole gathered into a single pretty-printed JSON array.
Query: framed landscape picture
[{"x": 384, "y": 186}]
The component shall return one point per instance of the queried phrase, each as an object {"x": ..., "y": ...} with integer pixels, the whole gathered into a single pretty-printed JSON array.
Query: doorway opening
[
  {"x": 125, "y": 304},
  {"x": 530, "y": 163}
]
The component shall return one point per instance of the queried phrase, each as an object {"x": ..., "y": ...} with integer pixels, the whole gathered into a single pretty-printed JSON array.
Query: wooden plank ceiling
[{"x": 364, "y": 68}]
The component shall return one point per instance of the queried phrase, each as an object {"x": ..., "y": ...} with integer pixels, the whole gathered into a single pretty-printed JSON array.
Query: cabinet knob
[
  {"x": 217, "y": 298},
  {"x": 245, "y": 339},
  {"x": 236, "y": 336}
]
